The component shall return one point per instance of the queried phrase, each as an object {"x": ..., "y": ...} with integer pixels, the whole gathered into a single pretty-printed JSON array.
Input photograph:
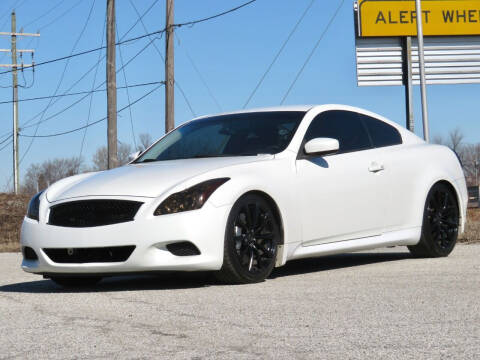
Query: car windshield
[{"x": 243, "y": 134}]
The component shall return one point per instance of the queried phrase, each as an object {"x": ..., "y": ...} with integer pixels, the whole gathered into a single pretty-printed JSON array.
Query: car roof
[{"x": 306, "y": 108}]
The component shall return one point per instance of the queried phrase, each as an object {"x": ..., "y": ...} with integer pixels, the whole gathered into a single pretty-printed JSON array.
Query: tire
[
  {"x": 251, "y": 237},
  {"x": 441, "y": 219},
  {"x": 76, "y": 282}
]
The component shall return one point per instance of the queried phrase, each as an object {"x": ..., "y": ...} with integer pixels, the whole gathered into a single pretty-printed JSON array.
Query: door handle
[{"x": 375, "y": 167}]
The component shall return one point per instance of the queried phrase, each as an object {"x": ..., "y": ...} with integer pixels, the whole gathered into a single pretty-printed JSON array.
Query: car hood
[{"x": 142, "y": 180}]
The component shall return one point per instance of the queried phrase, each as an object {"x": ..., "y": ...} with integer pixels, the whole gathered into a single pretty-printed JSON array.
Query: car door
[
  {"x": 399, "y": 173},
  {"x": 341, "y": 195}
]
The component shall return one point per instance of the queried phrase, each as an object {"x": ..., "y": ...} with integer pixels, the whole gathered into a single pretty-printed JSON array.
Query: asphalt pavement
[{"x": 370, "y": 305}]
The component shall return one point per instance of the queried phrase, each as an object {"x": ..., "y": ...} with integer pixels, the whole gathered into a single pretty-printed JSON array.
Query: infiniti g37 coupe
[{"x": 241, "y": 193}]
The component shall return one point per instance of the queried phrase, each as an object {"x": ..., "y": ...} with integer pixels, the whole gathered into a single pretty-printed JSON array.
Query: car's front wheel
[
  {"x": 251, "y": 238},
  {"x": 441, "y": 220},
  {"x": 75, "y": 281}
]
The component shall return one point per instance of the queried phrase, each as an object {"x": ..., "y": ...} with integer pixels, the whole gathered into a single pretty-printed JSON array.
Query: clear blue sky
[{"x": 230, "y": 52}]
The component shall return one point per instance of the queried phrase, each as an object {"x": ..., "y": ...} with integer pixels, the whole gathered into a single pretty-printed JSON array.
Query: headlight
[
  {"x": 190, "y": 199},
  {"x": 34, "y": 206}
]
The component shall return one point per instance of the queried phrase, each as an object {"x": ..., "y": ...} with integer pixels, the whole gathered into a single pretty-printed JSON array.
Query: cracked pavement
[{"x": 380, "y": 304}]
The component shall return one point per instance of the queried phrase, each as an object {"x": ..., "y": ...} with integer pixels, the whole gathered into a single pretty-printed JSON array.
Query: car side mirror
[
  {"x": 321, "y": 146},
  {"x": 134, "y": 155}
]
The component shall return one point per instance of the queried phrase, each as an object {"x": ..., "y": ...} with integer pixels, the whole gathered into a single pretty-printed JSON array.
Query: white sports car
[{"x": 243, "y": 192}]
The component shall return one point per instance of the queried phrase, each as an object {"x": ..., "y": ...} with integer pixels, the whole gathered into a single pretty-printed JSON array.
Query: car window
[
  {"x": 243, "y": 134},
  {"x": 381, "y": 133},
  {"x": 345, "y": 126}
]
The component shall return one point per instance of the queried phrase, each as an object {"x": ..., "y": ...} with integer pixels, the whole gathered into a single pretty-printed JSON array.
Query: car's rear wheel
[
  {"x": 441, "y": 219},
  {"x": 75, "y": 281},
  {"x": 251, "y": 238}
]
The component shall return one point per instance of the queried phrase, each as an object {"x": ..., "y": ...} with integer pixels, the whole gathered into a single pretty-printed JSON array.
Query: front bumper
[{"x": 205, "y": 228}]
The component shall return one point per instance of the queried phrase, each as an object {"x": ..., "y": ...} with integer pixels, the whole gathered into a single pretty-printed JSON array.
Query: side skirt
[{"x": 394, "y": 238}]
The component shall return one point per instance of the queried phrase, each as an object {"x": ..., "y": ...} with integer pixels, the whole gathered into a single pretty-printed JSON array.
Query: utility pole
[
  {"x": 408, "y": 81},
  {"x": 169, "y": 69},
  {"x": 421, "y": 64},
  {"x": 111, "y": 87},
  {"x": 15, "y": 104},
  {"x": 13, "y": 34}
]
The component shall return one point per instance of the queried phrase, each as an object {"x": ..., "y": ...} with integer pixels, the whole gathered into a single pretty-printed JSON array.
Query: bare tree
[
  {"x": 40, "y": 176},
  {"x": 145, "y": 140},
  {"x": 438, "y": 139},
  {"x": 455, "y": 139},
  {"x": 100, "y": 158},
  {"x": 470, "y": 155}
]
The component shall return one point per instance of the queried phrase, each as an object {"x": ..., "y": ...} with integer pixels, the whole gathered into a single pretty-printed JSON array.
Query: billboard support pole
[
  {"x": 421, "y": 57},
  {"x": 407, "y": 81}
]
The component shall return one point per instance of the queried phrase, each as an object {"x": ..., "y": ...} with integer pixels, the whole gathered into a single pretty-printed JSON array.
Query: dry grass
[
  {"x": 472, "y": 230},
  {"x": 13, "y": 209}
]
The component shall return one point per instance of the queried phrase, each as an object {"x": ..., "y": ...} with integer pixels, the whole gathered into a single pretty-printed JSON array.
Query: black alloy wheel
[
  {"x": 251, "y": 239},
  {"x": 441, "y": 221}
]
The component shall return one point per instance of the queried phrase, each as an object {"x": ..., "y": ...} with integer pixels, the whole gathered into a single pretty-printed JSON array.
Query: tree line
[
  {"x": 42, "y": 175},
  {"x": 469, "y": 154}
]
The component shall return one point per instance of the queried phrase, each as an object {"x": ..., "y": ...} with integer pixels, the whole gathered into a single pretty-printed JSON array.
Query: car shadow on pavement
[
  {"x": 332, "y": 262},
  {"x": 186, "y": 280}
]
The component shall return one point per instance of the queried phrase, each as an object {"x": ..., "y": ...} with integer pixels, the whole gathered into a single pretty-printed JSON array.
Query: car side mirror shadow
[{"x": 321, "y": 147}]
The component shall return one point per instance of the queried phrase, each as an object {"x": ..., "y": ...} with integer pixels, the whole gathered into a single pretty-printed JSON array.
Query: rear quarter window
[{"x": 381, "y": 133}]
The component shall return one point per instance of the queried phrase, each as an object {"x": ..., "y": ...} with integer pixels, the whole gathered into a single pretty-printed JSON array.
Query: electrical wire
[
  {"x": 277, "y": 55},
  {"x": 199, "y": 74},
  {"x": 158, "y": 32},
  {"x": 191, "y": 23},
  {"x": 44, "y": 14},
  {"x": 6, "y": 145},
  {"x": 93, "y": 67},
  {"x": 25, "y": 81},
  {"x": 7, "y": 138},
  {"x": 61, "y": 16},
  {"x": 61, "y": 79},
  {"x": 88, "y": 92},
  {"x": 92, "y": 123},
  {"x": 84, "y": 97},
  {"x": 177, "y": 84},
  {"x": 93, "y": 88},
  {"x": 313, "y": 51},
  {"x": 128, "y": 94}
]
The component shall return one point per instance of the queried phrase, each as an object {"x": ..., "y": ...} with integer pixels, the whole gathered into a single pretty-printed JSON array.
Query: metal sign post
[
  {"x": 423, "y": 85},
  {"x": 387, "y": 54},
  {"x": 408, "y": 82}
]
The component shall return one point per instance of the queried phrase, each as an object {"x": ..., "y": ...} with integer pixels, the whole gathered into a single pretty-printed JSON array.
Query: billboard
[{"x": 387, "y": 18}]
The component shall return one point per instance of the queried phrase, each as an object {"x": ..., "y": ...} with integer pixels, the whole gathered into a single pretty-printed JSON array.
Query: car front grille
[
  {"x": 90, "y": 213},
  {"x": 90, "y": 255}
]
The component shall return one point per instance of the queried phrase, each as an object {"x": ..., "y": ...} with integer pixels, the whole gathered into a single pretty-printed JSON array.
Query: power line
[
  {"x": 202, "y": 79},
  {"x": 82, "y": 92},
  {"x": 90, "y": 51},
  {"x": 44, "y": 14},
  {"x": 92, "y": 123},
  {"x": 191, "y": 23},
  {"x": 158, "y": 32},
  {"x": 177, "y": 84},
  {"x": 93, "y": 67},
  {"x": 277, "y": 55},
  {"x": 6, "y": 145},
  {"x": 61, "y": 78},
  {"x": 128, "y": 94},
  {"x": 61, "y": 16},
  {"x": 84, "y": 97},
  {"x": 7, "y": 138},
  {"x": 313, "y": 51},
  {"x": 93, "y": 87}
]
